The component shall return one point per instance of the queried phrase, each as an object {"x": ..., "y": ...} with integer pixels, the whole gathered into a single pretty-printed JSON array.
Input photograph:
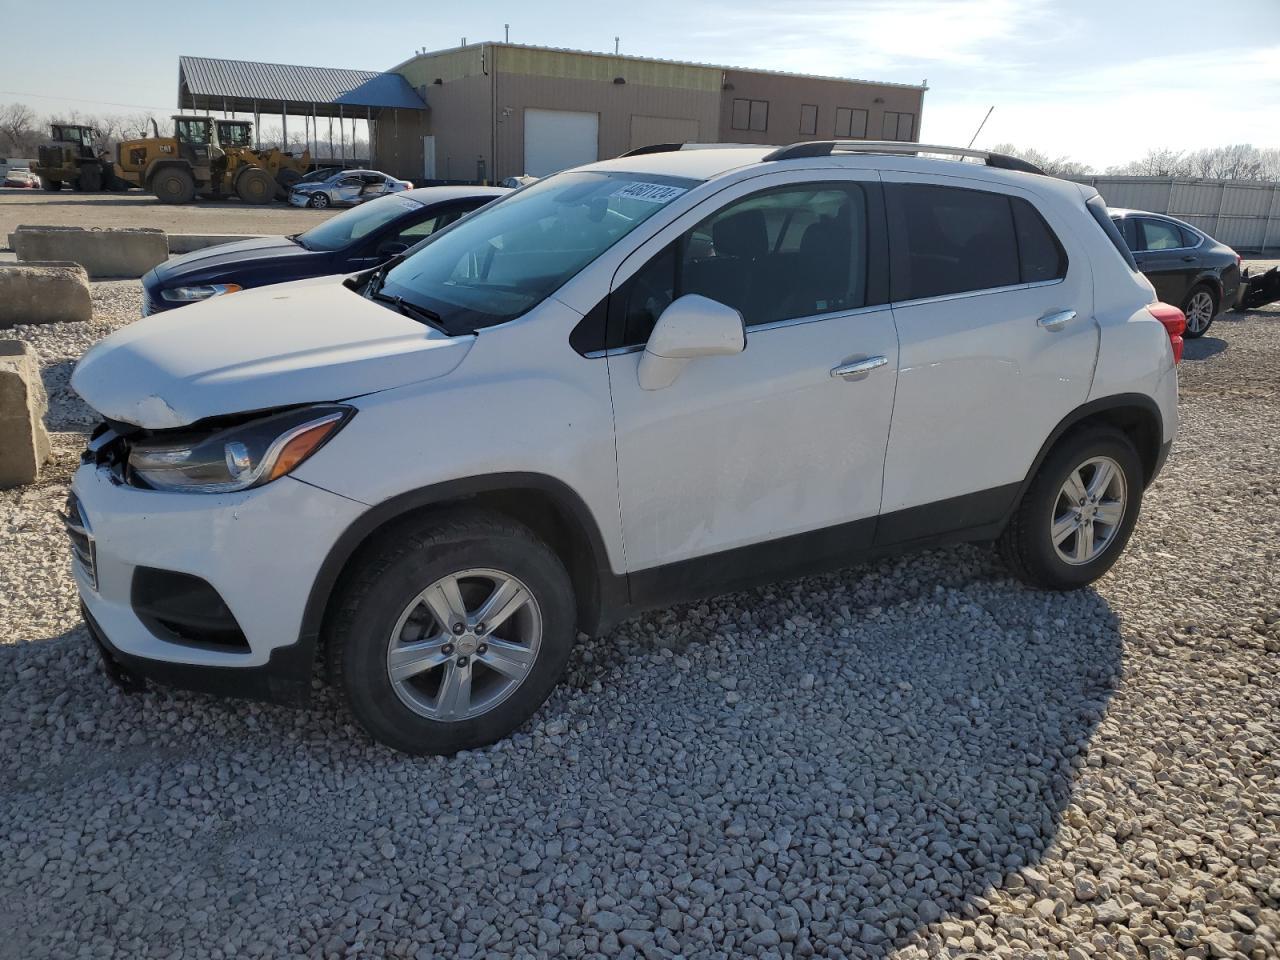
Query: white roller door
[{"x": 558, "y": 139}]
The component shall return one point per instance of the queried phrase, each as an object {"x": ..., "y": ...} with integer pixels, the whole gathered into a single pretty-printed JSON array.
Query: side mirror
[{"x": 692, "y": 326}]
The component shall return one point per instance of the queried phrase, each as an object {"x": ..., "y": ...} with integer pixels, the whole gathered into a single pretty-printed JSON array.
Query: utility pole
[
  {"x": 506, "y": 33},
  {"x": 616, "y": 41}
]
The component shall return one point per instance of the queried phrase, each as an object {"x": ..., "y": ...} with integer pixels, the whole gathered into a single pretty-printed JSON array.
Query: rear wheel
[
  {"x": 451, "y": 632},
  {"x": 50, "y": 184},
  {"x": 174, "y": 185},
  {"x": 255, "y": 186},
  {"x": 1200, "y": 307},
  {"x": 1078, "y": 513}
]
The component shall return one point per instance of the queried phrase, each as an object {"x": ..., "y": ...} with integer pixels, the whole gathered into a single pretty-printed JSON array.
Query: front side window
[
  {"x": 193, "y": 131},
  {"x": 785, "y": 253},
  {"x": 511, "y": 256},
  {"x": 1159, "y": 235}
]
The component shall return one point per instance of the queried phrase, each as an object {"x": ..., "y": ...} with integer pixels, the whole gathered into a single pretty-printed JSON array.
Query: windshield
[
  {"x": 502, "y": 262},
  {"x": 358, "y": 222}
]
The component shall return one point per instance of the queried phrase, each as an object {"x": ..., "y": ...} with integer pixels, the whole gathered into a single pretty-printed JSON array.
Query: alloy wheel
[
  {"x": 1199, "y": 311},
  {"x": 1089, "y": 511},
  {"x": 464, "y": 644}
]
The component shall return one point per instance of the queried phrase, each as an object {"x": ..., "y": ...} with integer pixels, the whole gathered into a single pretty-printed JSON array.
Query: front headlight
[
  {"x": 203, "y": 292},
  {"x": 236, "y": 458}
]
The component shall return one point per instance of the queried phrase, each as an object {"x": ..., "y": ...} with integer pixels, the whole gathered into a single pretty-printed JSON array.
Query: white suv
[{"x": 646, "y": 380}]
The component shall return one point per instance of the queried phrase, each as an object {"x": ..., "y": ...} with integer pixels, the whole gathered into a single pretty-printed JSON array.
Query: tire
[
  {"x": 319, "y": 201},
  {"x": 51, "y": 185},
  {"x": 285, "y": 180},
  {"x": 174, "y": 185},
  {"x": 1027, "y": 543},
  {"x": 90, "y": 178},
  {"x": 381, "y": 605},
  {"x": 1203, "y": 300},
  {"x": 255, "y": 186}
]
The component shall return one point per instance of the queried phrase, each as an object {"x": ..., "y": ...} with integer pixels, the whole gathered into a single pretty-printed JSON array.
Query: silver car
[{"x": 345, "y": 188}]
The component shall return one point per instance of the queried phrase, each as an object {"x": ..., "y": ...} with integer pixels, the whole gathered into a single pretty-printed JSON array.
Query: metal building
[
  {"x": 312, "y": 99},
  {"x": 496, "y": 110}
]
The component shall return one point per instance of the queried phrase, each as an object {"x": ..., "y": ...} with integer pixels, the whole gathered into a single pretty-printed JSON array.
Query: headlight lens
[
  {"x": 203, "y": 292},
  {"x": 236, "y": 458}
]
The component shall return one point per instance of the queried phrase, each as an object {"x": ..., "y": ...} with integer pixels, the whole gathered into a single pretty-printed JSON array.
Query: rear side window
[
  {"x": 1040, "y": 255},
  {"x": 1189, "y": 237},
  {"x": 949, "y": 240},
  {"x": 1159, "y": 235}
]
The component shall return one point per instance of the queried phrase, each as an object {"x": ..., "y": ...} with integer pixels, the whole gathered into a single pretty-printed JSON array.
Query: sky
[{"x": 1101, "y": 81}]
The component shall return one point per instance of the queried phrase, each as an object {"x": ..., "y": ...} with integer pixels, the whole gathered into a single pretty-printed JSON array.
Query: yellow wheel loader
[
  {"x": 209, "y": 158},
  {"x": 71, "y": 158}
]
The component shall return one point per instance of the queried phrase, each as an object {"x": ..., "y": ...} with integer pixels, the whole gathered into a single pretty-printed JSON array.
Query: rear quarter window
[{"x": 1098, "y": 210}]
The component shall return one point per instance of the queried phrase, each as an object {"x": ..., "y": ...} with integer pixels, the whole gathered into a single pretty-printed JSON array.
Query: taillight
[{"x": 1174, "y": 321}]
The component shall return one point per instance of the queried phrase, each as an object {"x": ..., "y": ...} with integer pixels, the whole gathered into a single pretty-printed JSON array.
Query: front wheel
[
  {"x": 451, "y": 632},
  {"x": 318, "y": 201},
  {"x": 1078, "y": 513},
  {"x": 50, "y": 184},
  {"x": 1200, "y": 307}
]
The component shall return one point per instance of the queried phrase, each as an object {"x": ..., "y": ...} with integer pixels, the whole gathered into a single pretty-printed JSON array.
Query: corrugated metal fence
[{"x": 1240, "y": 213}]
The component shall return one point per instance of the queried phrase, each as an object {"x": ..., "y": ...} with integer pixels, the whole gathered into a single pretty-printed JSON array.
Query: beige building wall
[
  {"x": 477, "y": 96},
  {"x": 786, "y": 96}
]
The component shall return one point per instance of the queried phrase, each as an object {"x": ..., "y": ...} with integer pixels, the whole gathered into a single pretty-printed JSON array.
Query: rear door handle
[
  {"x": 858, "y": 368},
  {"x": 1058, "y": 320},
  {"x": 1188, "y": 259}
]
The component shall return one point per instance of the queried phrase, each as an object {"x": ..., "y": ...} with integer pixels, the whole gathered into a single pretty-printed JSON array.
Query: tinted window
[
  {"x": 786, "y": 253},
  {"x": 950, "y": 240},
  {"x": 1159, "y": 235},
  {"x": 1189, "y": 237},
  {"x": 1098, "y": 210},
  {"x": 1040, "y": 254}
]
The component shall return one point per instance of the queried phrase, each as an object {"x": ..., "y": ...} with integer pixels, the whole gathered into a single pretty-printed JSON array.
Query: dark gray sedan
[{"x": 1187, "y": 267}]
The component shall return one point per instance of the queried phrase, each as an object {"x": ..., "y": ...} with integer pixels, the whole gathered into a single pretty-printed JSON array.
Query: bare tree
[
  {"x": 17, "y": 125},
  {"x": 1156, "y": 163},
  {"x": 1054, "y": 166}
]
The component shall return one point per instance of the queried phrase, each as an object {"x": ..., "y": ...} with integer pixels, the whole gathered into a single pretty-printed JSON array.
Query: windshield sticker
[{"x": 649, "y": 192}]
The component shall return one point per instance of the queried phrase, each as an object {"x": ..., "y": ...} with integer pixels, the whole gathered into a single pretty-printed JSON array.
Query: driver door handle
[
  {"x": 1057, "y": 320},
  {"x": 858, "y": 368}
]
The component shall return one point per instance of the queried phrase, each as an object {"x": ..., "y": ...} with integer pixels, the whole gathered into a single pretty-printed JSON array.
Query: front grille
[
  {"x": 83, "y": 547},
  {"x": 148, "y": 302}
]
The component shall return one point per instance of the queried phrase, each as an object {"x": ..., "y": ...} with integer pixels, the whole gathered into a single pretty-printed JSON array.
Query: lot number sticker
[{"x": 649, "y": 192}]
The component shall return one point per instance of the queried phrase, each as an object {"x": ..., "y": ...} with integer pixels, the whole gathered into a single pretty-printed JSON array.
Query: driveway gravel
[{"x": 915, "y": 758}]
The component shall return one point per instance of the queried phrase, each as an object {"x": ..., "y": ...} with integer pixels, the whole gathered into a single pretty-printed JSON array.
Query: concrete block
[
  {"x": 43, "y": 293},
  {"x": 188, "y": 242},
  {"x": 103, "y": 251},
  {"x": 24, "y": 443}
]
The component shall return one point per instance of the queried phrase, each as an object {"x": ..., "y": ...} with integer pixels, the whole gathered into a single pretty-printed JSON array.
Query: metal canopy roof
[{"x": 245, "y": 86}]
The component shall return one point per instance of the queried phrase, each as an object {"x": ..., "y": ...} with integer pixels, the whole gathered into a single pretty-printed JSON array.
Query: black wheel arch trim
[
  {"x": 1113, "y": 402},
  {"x": 599, "y": 611}
]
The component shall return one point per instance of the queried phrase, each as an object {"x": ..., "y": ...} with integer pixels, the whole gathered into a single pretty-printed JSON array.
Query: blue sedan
[{"x": 357, "y": 239}]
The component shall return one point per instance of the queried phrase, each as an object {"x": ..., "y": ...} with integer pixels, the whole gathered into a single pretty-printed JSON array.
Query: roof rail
[
  {"x": 825, "y": 148},
  {"x": 692, "y": 145}
]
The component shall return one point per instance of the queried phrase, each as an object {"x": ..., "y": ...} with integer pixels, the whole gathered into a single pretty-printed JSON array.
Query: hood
[
  {"x": 254, "y": 252},
  {"x": 302, "y": 342}
]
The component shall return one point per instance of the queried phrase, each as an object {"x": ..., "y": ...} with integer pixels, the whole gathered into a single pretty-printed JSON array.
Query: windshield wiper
[{"x": 421, "y": 314}]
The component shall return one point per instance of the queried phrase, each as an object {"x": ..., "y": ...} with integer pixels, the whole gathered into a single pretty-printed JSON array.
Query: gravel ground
[
  {"x": 137, "y": 209},
  {"x": 912, "y": 758}
]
